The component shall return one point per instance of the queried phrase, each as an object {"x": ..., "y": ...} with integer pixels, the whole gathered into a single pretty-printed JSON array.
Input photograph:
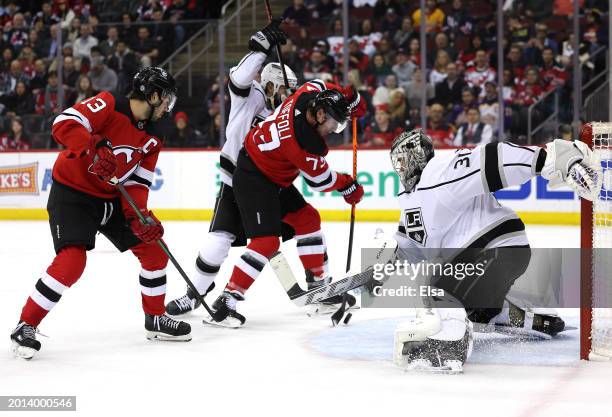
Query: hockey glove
[
  {"x": 104, "y": 162},
  {"x": 268, "y": 37},
  {"x": 353, "y": 193},
  {"x": 357, "y": 107},
  {"x": 149, "y": 232}
]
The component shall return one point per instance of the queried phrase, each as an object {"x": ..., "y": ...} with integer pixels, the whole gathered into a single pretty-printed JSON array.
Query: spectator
[
  {"x": 413, "y": 90},
  {"x": 354, "y": 79},
  {"x": 442, "y": 44},
  {"x": 437, "y": 128},
  {"x": 382, "y": 6},
  {"x": 519, "y": 31},
  {"x": 552, "y": 74},
  {"x": 7, "y": 58},
  {"x": 65, "y": 14},
  {"x": 48, "y": 100},
  {"x": 458, "y": 22},
  {"x": 481, "y": 72},
  {"x": 292, "y": 59},
  {"x": 386, "y": 49},
  {"x": 94, "y": 25},
  {"x": 529, "y": 91},
  {"x": 126, "y": 30},
  {"x": 47, "y": 15},
  {"x": 39, "y": 45},
  {"x": 183, "y": 135},
  {"x": 69, "y": 73},
  {"x": 382, "y": 94},
  {"x": 163, "y": 35},
  {"x": 516, "y": 62},
  {"x": 26, "y": 58},
  {"x": 357, "y": 59},
  {"x": 211, "y": 139},
  {"x": 489, "y": 105},
  {"x": 458, "y": 115},
  {"x": 50, "y": 50},
  {"x": 20, "y": 101},
  {"x": 398, "y": 108},
  {"x": 125, "y": 65},
  {"x": 325, "y": 9},
  {"x": 108, "y": 46},
  {"x": 473, "y": 132},
  {"x": 565, "y": 132},
  {"x": 17, "y": 35},
  {"x": 403, "y": 36},
  {"x": 438, "y": 73},
  {"x": 75, "y": 30},
  {"x": 383, "y": 130},
  {"x": 144, "y": 48},
  {"x": 367, "y": 38},
  {"x": 391, "y": 24},
  {"x": 9, "y": 80},
  {"x": 39, "y": 80},
  {"x": 434, "y": 17},
  {"x": 403, "y": 68},
  {"x": 448, "y": 91},
  {"x": 378, "y": 70},
  {"x": 335, "y": 39},
  {"x": 83, "y": 44},
  {"x": 14, "y": 139},
  {"x": 297, "y": 14},
  {"x": 102, "y": 77},
  {"x": 467, "y": 56},
  {"x": 414, "y": 51},
  {"x": 316, "y": 66},
  {"x": 508, "y": 87},
  {"x": 84, "y": 90}
]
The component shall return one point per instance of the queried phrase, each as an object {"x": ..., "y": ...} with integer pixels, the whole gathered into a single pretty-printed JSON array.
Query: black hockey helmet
[
  {"x": 154, "y": 79},
  {"x": 335, "y": 105}
]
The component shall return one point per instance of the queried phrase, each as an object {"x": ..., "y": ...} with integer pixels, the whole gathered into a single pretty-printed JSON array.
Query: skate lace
[
  {"x": 30, "y": 332},
  {"x": 230, "y": 302},
  {"x": 184, "y": 303},
  {"x": 167, "y": 321}
]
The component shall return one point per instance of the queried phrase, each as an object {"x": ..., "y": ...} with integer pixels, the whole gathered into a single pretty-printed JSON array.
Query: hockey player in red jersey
[
  {"x": 106, "y": 137},
  {"x": 288, "y": 143}
]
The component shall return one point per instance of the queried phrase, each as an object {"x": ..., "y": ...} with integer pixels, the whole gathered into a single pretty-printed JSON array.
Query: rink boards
[{"x": 186, "y": 184}]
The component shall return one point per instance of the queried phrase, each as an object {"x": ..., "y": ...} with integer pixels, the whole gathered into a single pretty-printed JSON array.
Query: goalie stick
[{"x": 303, "y": 297}]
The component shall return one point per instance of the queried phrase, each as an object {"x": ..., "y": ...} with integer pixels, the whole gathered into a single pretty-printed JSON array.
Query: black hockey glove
[{"x": 268, "y": 37}]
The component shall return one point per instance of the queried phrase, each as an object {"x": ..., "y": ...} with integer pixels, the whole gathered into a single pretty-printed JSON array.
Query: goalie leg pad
[{"x": 436, "y": 340}]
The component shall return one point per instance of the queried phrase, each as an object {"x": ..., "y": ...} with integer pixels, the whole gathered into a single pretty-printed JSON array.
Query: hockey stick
[
  {"x": 302, "y": 297},
  {"x": 278, "y": 48},
  {"x": 164, "y": 247},
  {"x": 337, "y": 316}
]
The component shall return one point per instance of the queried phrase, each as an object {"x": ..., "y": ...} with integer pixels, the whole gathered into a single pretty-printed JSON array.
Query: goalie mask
[
  {"x": 410, "y": 153},
  {"x": 272, "y": 73}
]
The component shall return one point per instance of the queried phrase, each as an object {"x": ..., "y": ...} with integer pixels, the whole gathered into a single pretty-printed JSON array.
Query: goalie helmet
[
  {"x": 272, "y": 73},
  {"x": 410, "y": 153}
]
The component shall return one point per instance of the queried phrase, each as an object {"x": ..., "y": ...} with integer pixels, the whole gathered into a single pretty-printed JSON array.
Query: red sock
[{"x": 252, "y": 261}]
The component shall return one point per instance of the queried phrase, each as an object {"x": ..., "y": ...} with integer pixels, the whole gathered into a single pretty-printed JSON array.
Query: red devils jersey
[
  {"x": 134, "y": 143},
  {"x": 286, "y": 145}
]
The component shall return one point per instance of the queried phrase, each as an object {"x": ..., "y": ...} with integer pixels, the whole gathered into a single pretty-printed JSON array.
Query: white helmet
[{"x": 272, "y": 73}]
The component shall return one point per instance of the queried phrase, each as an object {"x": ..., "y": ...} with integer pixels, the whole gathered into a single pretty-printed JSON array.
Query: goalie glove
[
  {"x": 572, "y": 164},
  {"x": 267, "y": 38}
]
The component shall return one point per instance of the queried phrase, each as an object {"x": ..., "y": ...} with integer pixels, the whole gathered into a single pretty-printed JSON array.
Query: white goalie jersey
[
  {"x": 248, "y": 107},
  {"x": 452, "y": 205}
]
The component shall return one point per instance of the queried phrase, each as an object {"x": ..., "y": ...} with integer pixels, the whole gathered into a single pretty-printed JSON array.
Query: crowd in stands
[
  {"x": 461, "y": 85},
  {"x": 384, "y": 59},
  {"x": 96, "y": 56}
]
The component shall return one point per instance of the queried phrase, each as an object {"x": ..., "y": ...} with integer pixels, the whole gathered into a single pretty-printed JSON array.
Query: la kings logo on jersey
[{"x": 415, "y": 229}]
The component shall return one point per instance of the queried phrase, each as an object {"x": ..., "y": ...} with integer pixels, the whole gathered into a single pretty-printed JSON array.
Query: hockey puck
[{"x": 348, "y": 318}]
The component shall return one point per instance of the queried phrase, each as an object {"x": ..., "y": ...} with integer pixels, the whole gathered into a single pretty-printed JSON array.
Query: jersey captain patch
[{"x": 415, "y": 229}]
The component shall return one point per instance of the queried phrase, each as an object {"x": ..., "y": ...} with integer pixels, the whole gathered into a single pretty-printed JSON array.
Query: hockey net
[{"x": 596, "y": 233}]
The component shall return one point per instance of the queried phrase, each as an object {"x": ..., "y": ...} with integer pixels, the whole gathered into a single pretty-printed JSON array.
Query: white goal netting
[{"x": 601, "y": 332}]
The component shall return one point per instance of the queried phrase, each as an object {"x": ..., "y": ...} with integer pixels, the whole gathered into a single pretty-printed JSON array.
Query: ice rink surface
[{"x": 282, "y": 362}]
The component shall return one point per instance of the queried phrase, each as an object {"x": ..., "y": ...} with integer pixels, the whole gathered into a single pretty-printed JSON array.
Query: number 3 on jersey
[{"x": 96, "y": 106}]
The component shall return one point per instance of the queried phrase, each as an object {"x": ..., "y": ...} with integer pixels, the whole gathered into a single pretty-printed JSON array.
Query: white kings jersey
[
  {"x": 452, "y": 205},
  {"x": 248, "y": 107}
]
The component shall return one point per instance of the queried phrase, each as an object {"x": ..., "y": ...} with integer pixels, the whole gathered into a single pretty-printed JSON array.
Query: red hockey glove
[
  {"x": 358, "y": 107},
  {"x": 353, "y": 193},
  {"x": 104, "y": 162},
  {"x": 149, "y": 232}
]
